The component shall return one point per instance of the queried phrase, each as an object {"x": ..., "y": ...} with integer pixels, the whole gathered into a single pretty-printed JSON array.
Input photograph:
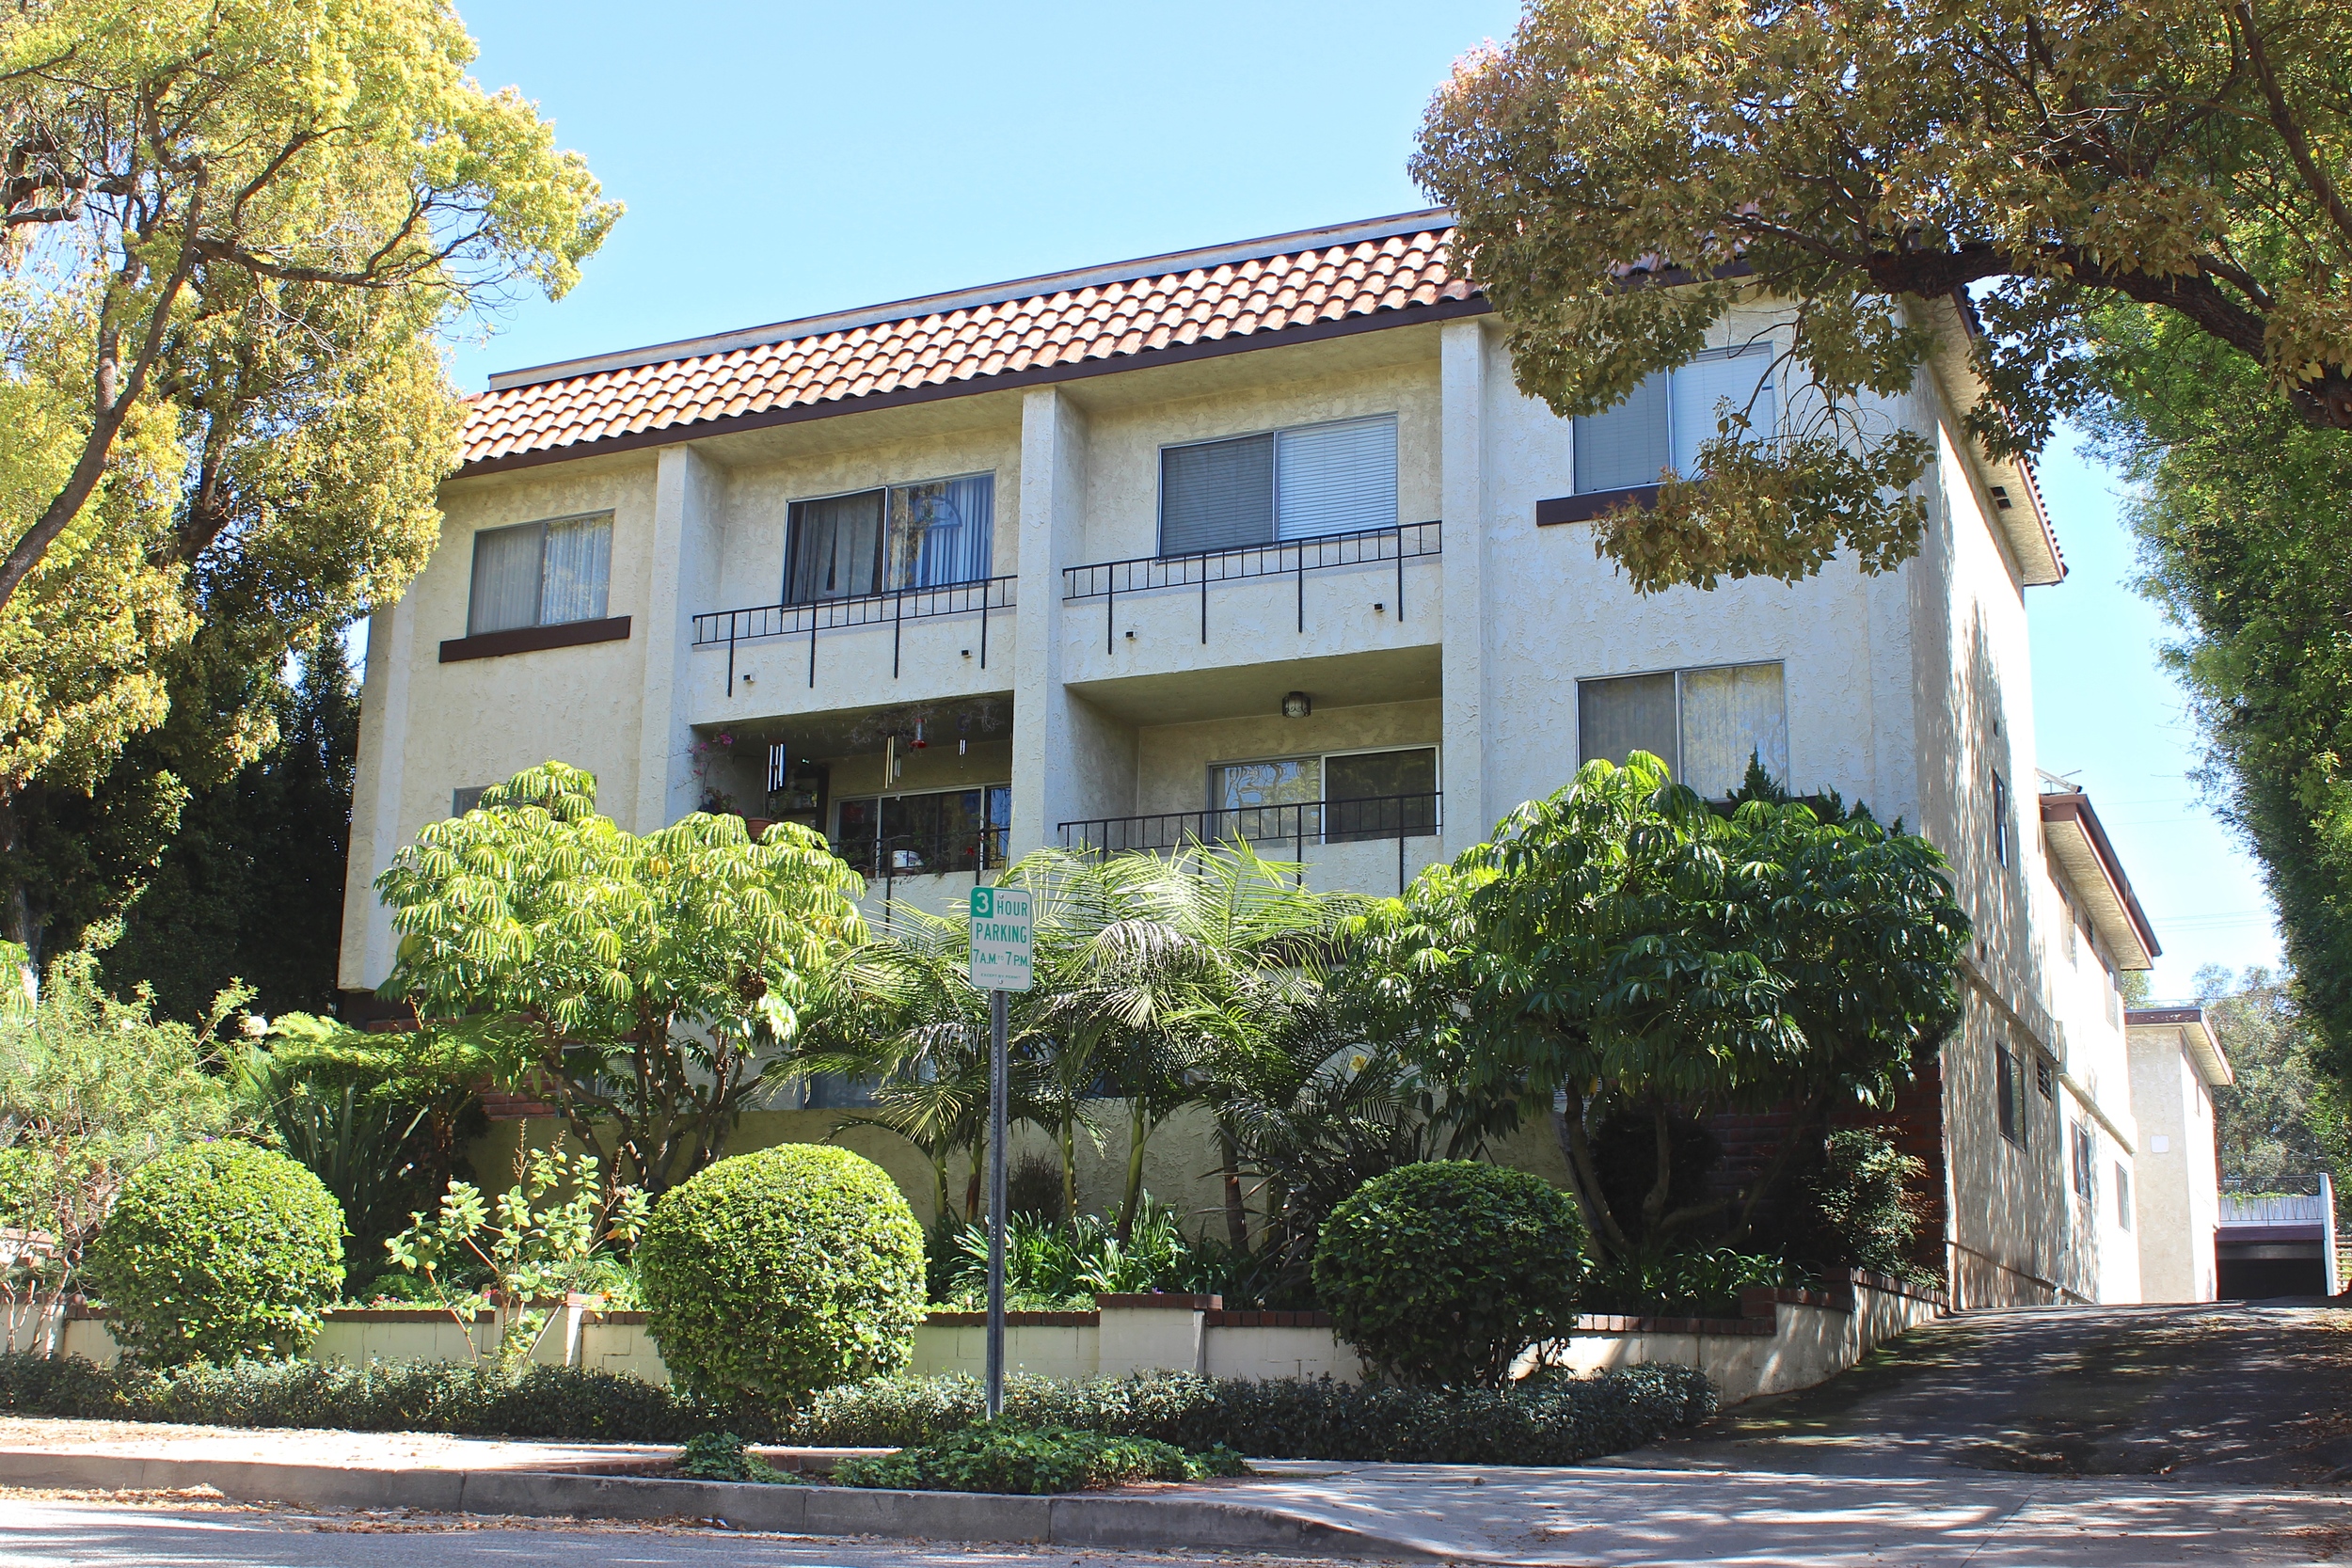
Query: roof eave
[
  {"x": 2089, "y": 860},
  {"x": 2023, "y": 520}
]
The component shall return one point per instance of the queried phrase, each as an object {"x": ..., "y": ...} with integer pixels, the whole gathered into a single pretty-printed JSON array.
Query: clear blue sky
[{"x": 782, "y": 160}]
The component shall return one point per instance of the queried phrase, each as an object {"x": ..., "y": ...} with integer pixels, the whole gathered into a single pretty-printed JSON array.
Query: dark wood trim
[
  {"x": 1584, "y": 507},
  {"x": 1175, "y": 354},
  {"x": 524, "y": 639}
]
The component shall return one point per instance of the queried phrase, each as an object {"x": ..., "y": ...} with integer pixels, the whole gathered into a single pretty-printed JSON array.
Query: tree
[
  {"x": 90, "y": 1090},
  {"x": 650, "y": 986},
  {"x": 1622, "y": 174},
  {"x": 2283, "y": 1115},
  {"x": 235, "y": 234},
  {"x": 1619, "y": 944}
]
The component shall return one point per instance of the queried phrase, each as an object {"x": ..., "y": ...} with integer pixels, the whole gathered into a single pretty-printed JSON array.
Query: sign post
[{"x": 1001, "y": 952}]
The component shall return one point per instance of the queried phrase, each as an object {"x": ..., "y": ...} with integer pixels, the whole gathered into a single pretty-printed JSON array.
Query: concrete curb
[{"x": 1075, "y": 1520}]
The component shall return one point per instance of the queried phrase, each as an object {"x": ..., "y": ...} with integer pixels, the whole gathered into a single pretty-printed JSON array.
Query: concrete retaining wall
[{"x": 1782, "y": 1340}]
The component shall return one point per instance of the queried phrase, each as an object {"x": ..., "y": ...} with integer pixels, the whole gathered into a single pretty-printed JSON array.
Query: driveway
[{"x": 2225, "y": 1394}]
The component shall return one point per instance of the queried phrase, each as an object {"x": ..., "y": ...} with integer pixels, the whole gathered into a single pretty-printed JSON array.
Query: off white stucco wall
[{"x": 2177, "y": 1188}]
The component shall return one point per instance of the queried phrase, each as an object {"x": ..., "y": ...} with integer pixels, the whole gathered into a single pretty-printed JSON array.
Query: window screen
[
  {"x": 463, "y": 801},
  {"x": 540, "y": 574},
  {"x": 1627, "y": 445},
  {"x": 1216, "y": 495},
  {"x": 2085, "y": 1164},
  {"x": 2123, "y": 1196},
  {"x": 1380, "y": 795},
  {"x": 1335, "y": 478},
  {"x": 1631, "y": 713},
  {"x": 2009, "y": 1092},
  {"x": 2000, "y": 820}
]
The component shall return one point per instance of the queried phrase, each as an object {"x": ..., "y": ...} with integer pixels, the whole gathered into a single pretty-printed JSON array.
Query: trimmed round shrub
[
  {"x": 1440, "y": 1273},
  {"x": 771, "y": 1276},
  {"x": 215, "y": 1252}
]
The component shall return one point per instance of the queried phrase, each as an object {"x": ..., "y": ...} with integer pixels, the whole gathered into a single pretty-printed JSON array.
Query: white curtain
[
  {"x": 1335, "y": 478},
  {"x": 1744, "y": 378},
  {"x": 1729, "y": 715},
  {"x": 505, "y": 579},
  {"x": 578, "y": 571}
]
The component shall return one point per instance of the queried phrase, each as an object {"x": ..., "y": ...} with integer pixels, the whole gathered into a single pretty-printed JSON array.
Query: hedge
[{"x": 1552, "y": 1419}]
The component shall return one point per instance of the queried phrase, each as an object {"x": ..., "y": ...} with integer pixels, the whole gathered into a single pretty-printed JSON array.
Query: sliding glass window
[
  {"x": 1302, "y": 484},
  {"x": 929, "y": 535},
  {"x": 1704, "y": 724},
  {"x": 540, "y": 573}
]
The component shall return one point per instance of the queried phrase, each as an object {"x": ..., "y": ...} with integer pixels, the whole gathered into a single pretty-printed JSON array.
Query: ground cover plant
[
  {"x": 721, "y": 1456},
  {"x": 1002, "y": 1456},
  {"x": 1550, "y": 1419}
]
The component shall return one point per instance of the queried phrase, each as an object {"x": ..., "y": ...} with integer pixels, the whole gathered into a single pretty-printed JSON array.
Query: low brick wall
[{"x": 1782, "y": 1340}]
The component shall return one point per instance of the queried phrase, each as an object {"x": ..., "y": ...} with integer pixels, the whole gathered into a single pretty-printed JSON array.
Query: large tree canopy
[
  {"x": 1848, "y": 161},
  {"x": 234, "y": 233},
  {"x": 1622, "y": 946}
]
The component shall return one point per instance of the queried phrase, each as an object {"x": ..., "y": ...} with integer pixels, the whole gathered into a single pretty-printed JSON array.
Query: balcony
[
  {"x": 1326, "y": 835},
  {"x": 896, "y": 611}
]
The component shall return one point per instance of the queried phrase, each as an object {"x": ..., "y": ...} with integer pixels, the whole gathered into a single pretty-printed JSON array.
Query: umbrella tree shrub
[
  {"x": 773, "y": 1274},
  {"x": 1441, "y": 1272},
  {"x": 217, "y": 1251}
]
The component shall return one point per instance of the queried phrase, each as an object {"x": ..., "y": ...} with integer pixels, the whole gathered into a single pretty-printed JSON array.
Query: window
[
  {"x": 927, "y": 535},
  {"x": 1704, "y": 724},
  {"x": 1284, "y": 485},
  {"x": 540, "y": 573},
  {"x": 2085, "y": 1162},
  {"x": 1662, "y": 423},
  {"x": 2123, "y": 1197},
  {"x": 2000, "y": 819},
  {"x": 1361, "y": 795},
  {"x": 2010, "y": 1090},
  {"x": 2045, "y": 1078},
  {"x": 928, "y": 834},
  {"x": 463, "y": 801}
]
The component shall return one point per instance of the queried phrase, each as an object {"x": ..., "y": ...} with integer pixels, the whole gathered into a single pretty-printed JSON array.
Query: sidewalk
[{"x": 1603, "y": 1516}]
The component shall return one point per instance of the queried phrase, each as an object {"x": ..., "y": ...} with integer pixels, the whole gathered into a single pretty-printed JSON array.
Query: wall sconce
[{"x": 1295, "y": 705}]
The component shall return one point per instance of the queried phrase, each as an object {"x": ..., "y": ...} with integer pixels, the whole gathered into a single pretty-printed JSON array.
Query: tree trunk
[
  {"x": 1069, "y": 1169},
  {"x": 1138, "y": 1129},
  {"x": 1236, "y": 1209},
  {"x": 1568, "y": 1125}
]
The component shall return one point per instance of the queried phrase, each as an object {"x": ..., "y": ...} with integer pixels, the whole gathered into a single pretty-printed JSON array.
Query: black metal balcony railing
[
  {"x": 1294, "y": 824},
  {"x": 942, "y": 853},
  {"x": 1294, "y": 557},
  {"x": 893, "y": 609}
]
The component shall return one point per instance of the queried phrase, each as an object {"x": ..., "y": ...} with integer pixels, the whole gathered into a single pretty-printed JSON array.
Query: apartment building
[{"x": 1258, "y": 539}]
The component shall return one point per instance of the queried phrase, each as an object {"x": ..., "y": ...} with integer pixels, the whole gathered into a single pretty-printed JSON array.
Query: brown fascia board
[
  {"x": 2072, "y": 808},
  {"x": 2196, "y": 1029},
  {"x": 1175, "y": 354}
]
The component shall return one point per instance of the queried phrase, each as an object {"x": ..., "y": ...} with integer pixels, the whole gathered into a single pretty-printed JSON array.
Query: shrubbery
[
  {"x": 1443, "y": 1272},
  {"x": 1863, "y": 1194},
  {"x": 218, "y": 1251},
  {"x": 772, "y": 1275},
  {"x": 1551, "y": 1419},
  {"x": 1698, "y": 1284},
  {"x": 1001, "y": 1456}
]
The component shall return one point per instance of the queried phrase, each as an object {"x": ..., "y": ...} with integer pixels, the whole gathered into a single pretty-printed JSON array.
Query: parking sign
[{"x": 1000, "y": 938}]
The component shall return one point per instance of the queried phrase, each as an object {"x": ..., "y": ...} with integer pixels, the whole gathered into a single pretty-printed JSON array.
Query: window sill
[
  {"x": 524, "y": 639},
  {"x": 1584, "y": 507}
]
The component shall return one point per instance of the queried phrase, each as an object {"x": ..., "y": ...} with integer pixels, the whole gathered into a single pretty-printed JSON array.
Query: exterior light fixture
[{"x": 1295, "y": 705}]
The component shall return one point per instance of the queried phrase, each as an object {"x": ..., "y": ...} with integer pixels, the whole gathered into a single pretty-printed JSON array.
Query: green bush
[
  {"x": 217, "y": 1251},
  {"x": 1862, "y": 1196},
  {"x": 773, "y": 1274},
  {"x": 1550, "y": 1419},
  {"x": 1443, "y": 1272},
  {"x": 721, "y": 1456},
  {"x": 999, "y": 1456},
  {"x": 1699, "y": 1284},
  {"x": 569, "y": 1403}
]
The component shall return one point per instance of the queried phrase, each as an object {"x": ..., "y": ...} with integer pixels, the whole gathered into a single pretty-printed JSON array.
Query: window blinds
[
  {"x": 1216, "y": 495},
  {"x": 1626, "y": 445},
  {"x": 1664, "y": 420},
  {"x": 505, "y": 579},
  {"x": 1335, "y": 478},
  {"x": 1629, "y": 713}
]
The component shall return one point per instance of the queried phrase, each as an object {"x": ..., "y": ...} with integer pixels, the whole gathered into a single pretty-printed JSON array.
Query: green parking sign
[{"x": 1000, "y": 938}]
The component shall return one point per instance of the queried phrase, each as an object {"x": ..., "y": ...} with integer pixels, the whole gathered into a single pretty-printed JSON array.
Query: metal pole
[{"x": 996, "y": 1096}]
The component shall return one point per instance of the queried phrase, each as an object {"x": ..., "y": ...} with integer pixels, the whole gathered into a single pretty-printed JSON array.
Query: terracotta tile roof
[{"x": 1034, "y": 329}]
